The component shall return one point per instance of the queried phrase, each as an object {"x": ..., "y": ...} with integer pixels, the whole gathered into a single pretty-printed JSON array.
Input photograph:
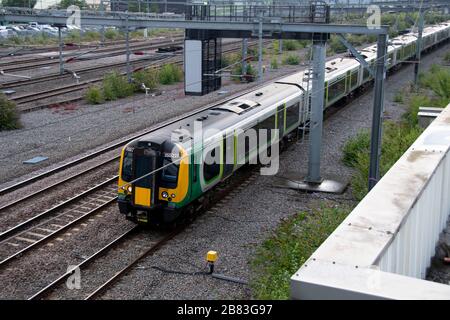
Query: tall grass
[
  {"x": 170, "y": 73},
  {"x": 397, "y": 137},
  {"x": 291, "y": 59},
  {"x": 9, "y": 115},
  {"x": 282, "y": 254}
]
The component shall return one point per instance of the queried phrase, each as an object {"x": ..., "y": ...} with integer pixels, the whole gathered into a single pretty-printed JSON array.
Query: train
[{"x": 164, "y": 174}]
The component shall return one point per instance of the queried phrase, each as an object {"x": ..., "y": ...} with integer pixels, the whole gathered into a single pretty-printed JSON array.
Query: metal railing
[{"x": 383, "y": 248}]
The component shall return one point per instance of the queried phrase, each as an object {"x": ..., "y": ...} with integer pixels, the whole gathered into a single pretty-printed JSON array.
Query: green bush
[
  {"x": 291, "y": 59},
  {"x": 230, "y": 58},
  {"x": 360, "y": 144},
  {"x": 116, "y": 86},
  {"x": 397, "y": 137},
  {"x": 91, "y": 35},
  {"x": 94, "y": 95},
  {"x": 274, "y": 63},
  {"x": 447, "y": 57},
  {"x": 170, "y": 73},
  {"x": 9, "y": 115},
  {"x": 250, "y": 74},
  {"x": 438, "y": 80},
  {"x": 398, "y": 97},
  {"x": 148, "y": 77},
  {"x": 290, "y": 45},
  {"x": 276, "y": 46},
  {"x": 281, "y": 255},
  {"x": 335, "y": 45},
  {"x": 414, "y": 103},
  {"x": 111, "y": 34}
]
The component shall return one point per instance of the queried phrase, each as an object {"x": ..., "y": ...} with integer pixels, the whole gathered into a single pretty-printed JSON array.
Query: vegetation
[
  {"x": 249, "y": 76},
  {"x": 357, "y": 152},
  {"x": 287, "y": 249},
  {"x": 115, "y": 86},
  {"x": 274, "y": 63},
  {"x": 437, "y": 80},
  {"x": 434, "y": 92},
  {"x": 290, "y": 45},
  {"x": 291, "y": 59},
  {"x": 447, "y": 57},
  {"x": 9, "y": 115},
  {"x": 170, "y": 73},
  {"x": 230, "y": 58},
  {"x": 64, "y": 4},
  {"x": 19, "y": 3},
  {"x": 94, "y": 95},
  {"x": 398, "y": 97},
  {"x": 150, "y": 78}
]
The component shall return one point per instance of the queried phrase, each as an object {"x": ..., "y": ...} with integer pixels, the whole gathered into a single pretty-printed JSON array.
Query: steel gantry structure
[{"x": 246, "y": 26}]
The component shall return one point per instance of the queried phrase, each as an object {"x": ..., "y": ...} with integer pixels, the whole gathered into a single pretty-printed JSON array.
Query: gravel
[
  {"x": 239, "y": 223},
  {"x": 34, "y": 270}
]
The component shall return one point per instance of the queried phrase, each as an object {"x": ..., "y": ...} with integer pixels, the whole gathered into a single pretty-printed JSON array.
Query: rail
[{"x": 383, "y": 248}]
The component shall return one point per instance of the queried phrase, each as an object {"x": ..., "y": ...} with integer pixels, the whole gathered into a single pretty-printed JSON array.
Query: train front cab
[{"x": 153, "y": 181}]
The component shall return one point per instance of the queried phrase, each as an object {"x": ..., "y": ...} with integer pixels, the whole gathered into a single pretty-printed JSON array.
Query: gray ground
[{"x": 238, "y": 224}]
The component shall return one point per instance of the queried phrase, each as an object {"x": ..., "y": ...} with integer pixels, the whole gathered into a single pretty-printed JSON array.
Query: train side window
[
  {"x": 292, "y": 115},
  {"x": 336, "y": 89},
  {"x": 210, "y": 171},
  {"x": 267, "y": 124},
  {"x": 354, "y": 78}
]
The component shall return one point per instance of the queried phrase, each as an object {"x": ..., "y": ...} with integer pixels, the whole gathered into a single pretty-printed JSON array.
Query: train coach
[{"x": 164, "y": 174}]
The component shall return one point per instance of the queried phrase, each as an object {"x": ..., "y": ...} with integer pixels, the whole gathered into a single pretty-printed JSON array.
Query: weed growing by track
[
  {"x": 9, "y": 115},
  {"x": 280, "y": 256},
  {"x": 291, "y": 59},
  {"x": 170, "y": 73},
  {"x": 115, "y": 86}
]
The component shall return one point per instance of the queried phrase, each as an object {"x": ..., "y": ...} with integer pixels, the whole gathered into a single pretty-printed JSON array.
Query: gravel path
[{"x": 236, "y": 225}]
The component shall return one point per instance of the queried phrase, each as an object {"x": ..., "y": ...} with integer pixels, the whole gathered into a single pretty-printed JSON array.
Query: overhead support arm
[{"x": 356, "y": 54}]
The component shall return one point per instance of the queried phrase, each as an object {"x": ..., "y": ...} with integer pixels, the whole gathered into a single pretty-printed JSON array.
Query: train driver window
[
  {"x": 169, "y": 174},
  {"x": 127, "y": 166}
]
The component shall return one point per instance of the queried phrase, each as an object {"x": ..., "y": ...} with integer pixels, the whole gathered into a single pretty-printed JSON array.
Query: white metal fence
[{"x": 383, "y": 248}]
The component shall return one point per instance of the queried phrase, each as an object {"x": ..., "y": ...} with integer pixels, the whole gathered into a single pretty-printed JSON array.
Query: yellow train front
[{"x": 153, "y": 181}]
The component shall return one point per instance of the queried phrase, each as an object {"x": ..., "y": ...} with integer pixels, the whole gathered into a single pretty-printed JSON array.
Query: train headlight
[
  {"x": 165, "y": 195},
  {"x": 129, "y": 189},
  {"x": 173, "y": 195}
]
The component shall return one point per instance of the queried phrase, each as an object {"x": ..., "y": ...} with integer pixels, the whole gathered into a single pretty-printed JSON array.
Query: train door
[
  {"x": 228, "y": 155},
  {"x": 280, "y": 120},
  {"x": 211, "y": 168},
  {"x": 142, "y": 188}
]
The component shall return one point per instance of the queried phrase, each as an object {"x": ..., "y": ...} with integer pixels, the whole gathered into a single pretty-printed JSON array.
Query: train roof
[{"x": 223, "y": 116}]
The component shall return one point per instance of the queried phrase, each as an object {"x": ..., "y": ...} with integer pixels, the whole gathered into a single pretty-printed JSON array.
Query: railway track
[
  {"x": 73, "y": 88},
  {"x": 15, "y": 51},
  {"x": 30, "y": 233},
  {"x": 97, "y": 53},
  {"x": 124, "y": 242},
  {"x": 25, "y": 99}
]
